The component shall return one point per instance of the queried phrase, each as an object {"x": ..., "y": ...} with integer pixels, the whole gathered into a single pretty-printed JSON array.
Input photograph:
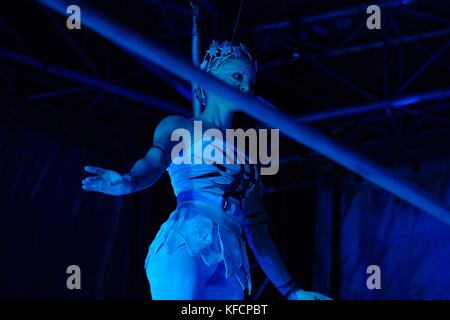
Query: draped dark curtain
[
  {"x": 411, "y": 247},
  {"x": 48, "y": 222}
]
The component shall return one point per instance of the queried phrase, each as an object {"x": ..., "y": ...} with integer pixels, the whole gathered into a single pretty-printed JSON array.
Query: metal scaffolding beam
[
  {"x": 176, "y": 64},
  {"x": 394, "y": 103},
  {"x": 307, "y": 20},
  {"x": 94, "y": 82},
  {"x": 358, "y": 48}
]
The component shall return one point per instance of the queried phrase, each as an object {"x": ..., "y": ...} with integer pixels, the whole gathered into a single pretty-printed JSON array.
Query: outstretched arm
[
  {"x": 149, "y": 169},
  {"x": 145, "y": 172},
  {"x": 257, "y": 230}
]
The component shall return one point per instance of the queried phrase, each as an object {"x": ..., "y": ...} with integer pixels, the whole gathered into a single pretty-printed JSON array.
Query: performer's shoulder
[{"x": 173, "y": 122}]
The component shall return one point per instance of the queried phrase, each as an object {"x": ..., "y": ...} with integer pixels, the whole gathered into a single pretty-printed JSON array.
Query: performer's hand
[
  {"x": 307, "y": 295},
  {"x": 105, "y": 181}
]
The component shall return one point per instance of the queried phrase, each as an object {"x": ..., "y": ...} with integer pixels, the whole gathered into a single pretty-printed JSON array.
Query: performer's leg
[
  {"x": 219, "y": 287},
  {"x": 178, "y": 276}
]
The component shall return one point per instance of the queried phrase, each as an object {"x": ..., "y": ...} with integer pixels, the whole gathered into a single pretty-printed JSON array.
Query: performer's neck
[{"x": 220, "y": 117}]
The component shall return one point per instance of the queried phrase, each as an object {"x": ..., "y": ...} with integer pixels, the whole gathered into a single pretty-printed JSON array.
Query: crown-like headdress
[{"x": 218, "y": 53}]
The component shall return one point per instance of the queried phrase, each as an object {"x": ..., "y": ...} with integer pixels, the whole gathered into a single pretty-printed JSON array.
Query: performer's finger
[
  {"x": 95, "y": 170},
  {"x": 89, "y": 187},
  {"x": 90, "y": 180}
]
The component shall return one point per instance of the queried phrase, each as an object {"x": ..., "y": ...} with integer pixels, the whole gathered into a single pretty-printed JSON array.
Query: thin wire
[{"x": 237, "y": 20}]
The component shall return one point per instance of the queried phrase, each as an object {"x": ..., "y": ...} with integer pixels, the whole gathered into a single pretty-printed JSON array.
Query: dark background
[{"x": 313, "y": 57}]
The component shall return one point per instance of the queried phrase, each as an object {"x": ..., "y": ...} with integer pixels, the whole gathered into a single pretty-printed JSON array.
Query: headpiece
[{"x": 218, "y": 53}]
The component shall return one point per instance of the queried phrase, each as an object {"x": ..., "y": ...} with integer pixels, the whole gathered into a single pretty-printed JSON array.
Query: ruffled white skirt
[{"x": 205, "y": 238}]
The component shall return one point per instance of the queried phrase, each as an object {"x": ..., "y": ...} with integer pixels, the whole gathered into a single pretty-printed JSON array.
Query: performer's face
[{"x": 236, "y": 72}]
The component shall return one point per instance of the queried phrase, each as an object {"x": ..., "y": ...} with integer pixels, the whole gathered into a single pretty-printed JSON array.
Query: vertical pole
[{"x": 195, "y": 47}]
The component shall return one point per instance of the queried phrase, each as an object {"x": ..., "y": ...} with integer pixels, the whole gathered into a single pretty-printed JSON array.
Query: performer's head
[{"x": 232, "y": 64}]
